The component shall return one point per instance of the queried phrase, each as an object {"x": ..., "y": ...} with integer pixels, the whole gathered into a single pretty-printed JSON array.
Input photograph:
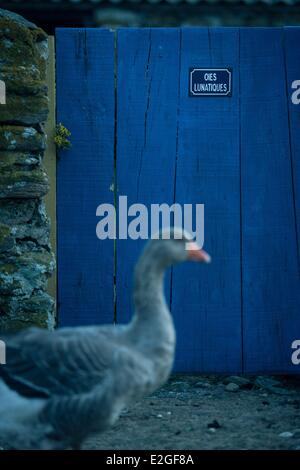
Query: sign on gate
[{"x": 210, "y": 82}]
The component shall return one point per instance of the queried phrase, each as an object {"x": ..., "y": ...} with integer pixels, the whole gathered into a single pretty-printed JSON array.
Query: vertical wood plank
[
  {"x": 85, "y": 105},
  {"x": 147, "y": 91},
  {"x": 270, "y": 267},
  {"x": 292, "y": 61},
  {"x": 206, "y": 302},
  {"x": 50, "y": 158}
]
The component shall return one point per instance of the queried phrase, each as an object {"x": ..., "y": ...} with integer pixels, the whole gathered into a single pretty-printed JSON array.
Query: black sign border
[{"x": 215, "y": 95}]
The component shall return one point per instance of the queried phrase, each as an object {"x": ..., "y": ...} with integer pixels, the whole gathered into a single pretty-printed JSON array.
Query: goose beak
[{"x": 195, "y": 253}]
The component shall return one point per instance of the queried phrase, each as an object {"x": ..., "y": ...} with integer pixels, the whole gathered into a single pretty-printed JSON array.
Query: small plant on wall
[{"x": 61, "y": 137}]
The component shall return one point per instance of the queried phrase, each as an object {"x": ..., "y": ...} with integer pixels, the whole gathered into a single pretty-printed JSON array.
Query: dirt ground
[{"x": 209, "y": 412}]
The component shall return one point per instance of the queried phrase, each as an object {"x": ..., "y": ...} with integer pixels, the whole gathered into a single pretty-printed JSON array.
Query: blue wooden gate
[{"x": 137, "y": 131}]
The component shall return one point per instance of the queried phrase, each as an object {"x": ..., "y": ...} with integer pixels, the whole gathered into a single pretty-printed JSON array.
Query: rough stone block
[
  {"x": 24, "y": 109},
  {"x": 23, "y": 184}
]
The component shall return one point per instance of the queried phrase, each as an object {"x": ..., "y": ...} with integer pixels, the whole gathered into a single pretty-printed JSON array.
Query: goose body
[{"x": 59, "y": 387}]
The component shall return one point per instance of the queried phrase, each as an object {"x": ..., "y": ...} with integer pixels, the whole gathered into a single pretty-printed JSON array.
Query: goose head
[
  {"x": 175, "y": 245},
  {"x": 166, "y": 248}
]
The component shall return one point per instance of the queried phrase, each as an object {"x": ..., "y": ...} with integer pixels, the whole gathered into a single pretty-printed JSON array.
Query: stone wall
[{"x": 26, "y": 260}]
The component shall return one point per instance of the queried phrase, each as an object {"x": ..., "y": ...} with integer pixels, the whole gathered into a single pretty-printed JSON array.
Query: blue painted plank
[
  {"x": 206, "y": 302},
  {"x": 147, "y": 90},
  {"x": 271, "y": 294},
  {"x": 292, "y": 54},
  {"x": 85, "y": 105}
]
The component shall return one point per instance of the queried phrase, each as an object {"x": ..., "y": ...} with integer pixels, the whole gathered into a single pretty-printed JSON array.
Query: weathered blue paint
[
  {"x": 85, "y": 105},
  {"x": 238, "y": 155},
  {"x": 206, "y": 299},
  {"x": 271, "y": 294},
  {"x": 147, "y": 91},
  {"x": 292, "y": 65}
]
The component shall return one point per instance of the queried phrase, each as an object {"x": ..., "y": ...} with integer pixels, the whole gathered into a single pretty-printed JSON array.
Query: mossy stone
[
  {"x": 21, "y": 138},
  {"x": 22, "y": 274},
  {"x": 24, "y": 109},
  {"x": 26, "y": 260},
  {"x": 23, "y": 184},
  {"x": 7, "y": 240},
  {"x": 19, "y": 44},
  {"x": 10, "y": 160},
  {"x": 18, "y": 211},
  {"x": 23, "y": 81},
  {"x": 18, "y": 314}
]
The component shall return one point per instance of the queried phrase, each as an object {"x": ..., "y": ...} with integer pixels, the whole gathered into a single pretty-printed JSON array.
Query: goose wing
[{"x": 64, "y": 362}]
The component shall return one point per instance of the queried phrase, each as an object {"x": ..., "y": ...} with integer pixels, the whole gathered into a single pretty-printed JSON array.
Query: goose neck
[{"x": 148, "y": 293}]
